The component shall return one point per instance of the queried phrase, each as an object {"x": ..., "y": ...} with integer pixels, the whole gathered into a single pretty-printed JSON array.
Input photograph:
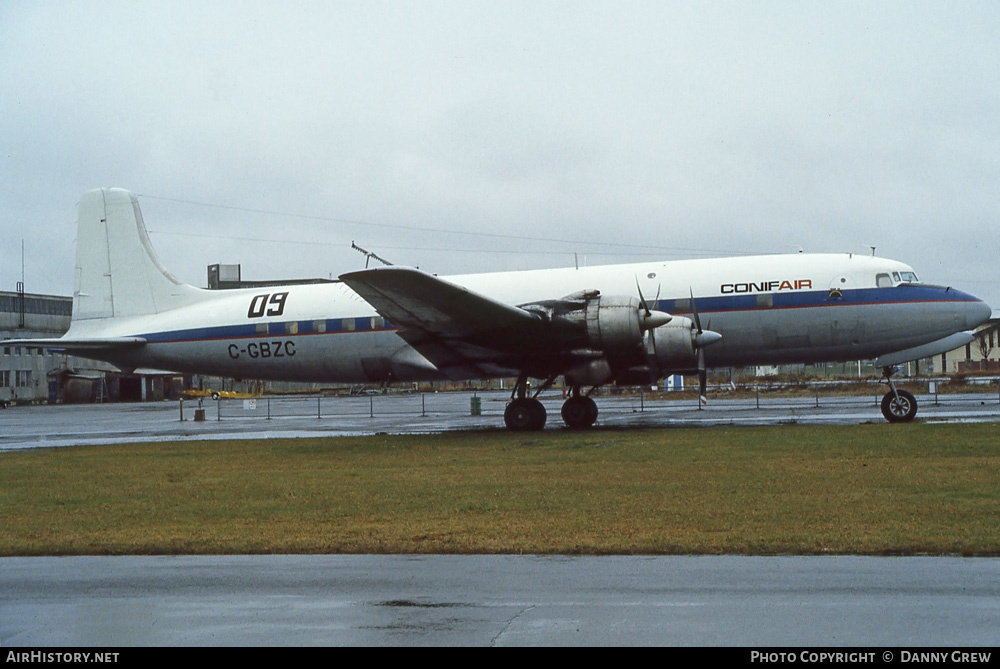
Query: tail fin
[{"x": 117, "y": 271}]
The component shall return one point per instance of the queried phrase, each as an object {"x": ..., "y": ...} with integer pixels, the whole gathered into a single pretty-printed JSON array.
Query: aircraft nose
[{"x": 977, "y": 313}]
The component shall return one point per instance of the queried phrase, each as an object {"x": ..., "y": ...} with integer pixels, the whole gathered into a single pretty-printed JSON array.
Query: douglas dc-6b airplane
[{"x": 592, "y": 325}]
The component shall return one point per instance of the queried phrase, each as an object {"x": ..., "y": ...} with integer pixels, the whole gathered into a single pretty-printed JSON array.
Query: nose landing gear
[{"x": 898, "y": 406}]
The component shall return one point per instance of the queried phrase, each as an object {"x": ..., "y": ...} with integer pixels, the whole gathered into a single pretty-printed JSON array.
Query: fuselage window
[{"x": 883, "y": 281}]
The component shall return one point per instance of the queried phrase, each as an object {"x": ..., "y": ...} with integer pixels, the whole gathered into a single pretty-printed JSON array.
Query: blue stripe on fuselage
[
  {"x": 905, "y": 294},
  {"x": 273, "y": 329}
]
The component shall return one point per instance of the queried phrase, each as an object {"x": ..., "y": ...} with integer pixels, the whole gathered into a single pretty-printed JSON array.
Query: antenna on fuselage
[{"x": 369, "y": 256}]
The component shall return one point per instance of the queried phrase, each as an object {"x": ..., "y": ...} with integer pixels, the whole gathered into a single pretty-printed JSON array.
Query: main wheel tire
[
  {"x": 524, "y": 414},
  {"x": 579, "y": 412},
  {"x": 901, "y": 409},
  {"x": 538, "y": 415},
  {"x": 591, "y": 411},
  {"x": 574, "y": 413}
]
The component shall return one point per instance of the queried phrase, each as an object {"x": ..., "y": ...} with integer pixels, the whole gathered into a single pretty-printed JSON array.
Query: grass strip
[{"x": 868, "y": 489}]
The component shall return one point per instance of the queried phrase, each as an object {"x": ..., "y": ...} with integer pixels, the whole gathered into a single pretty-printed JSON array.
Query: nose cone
[
  {"x": 977, "y": 313},
  {"x": 707, "y": 338},
  {"x": 655, "y": 319}
]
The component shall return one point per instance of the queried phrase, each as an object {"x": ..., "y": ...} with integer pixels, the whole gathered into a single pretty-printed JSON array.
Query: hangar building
[{"x": 31, "y": 375}]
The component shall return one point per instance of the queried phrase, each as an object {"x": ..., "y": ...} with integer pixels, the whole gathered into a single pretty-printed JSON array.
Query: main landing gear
[
  {"x": 525, "y": 414},
  {"x": 898, "y": 406},
  {"x": 579, "y": 411}
]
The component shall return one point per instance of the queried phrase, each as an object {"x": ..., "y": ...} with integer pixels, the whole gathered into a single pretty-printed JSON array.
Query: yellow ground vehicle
[{"x": 215, "y": 394}]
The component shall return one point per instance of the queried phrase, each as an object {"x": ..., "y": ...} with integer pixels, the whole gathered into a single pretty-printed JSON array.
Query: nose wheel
[{"x": 898, "y": 406}]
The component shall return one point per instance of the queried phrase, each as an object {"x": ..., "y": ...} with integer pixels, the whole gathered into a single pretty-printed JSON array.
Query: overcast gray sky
[{"x": 466, "y": 136}]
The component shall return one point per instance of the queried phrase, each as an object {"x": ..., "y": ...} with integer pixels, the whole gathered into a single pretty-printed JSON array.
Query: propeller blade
[
  {"x": 702, "y": 339},
  {"x": 642, "y": 300},
  {"x": 650, "y": 319},
  {"x": 702, "y": 378},
  {"x": 694, "y": 311}
]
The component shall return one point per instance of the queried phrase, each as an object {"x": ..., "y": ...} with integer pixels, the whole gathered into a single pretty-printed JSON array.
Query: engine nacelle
[
  {"x": 609, "y": 330},
  {"x": 617, "y": 338},
  {"x": 674, "y": 346},
  {"x": 614, "y": 324}
]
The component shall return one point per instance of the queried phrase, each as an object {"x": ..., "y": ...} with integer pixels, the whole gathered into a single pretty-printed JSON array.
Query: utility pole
[{"x": 20, "y": 289}]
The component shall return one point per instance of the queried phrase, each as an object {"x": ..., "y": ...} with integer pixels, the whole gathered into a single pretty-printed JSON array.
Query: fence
[{"x": 491, "y": 404}]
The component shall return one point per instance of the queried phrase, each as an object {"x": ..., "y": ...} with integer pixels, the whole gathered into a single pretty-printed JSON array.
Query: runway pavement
[
  {"x": 500, "y": 600},
  {"x": 62, "y": 425}
]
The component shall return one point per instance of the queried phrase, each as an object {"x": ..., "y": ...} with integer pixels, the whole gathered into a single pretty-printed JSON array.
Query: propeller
[
  {"x": 702, "y": 338},
  {"x": 650, "y": 319}
]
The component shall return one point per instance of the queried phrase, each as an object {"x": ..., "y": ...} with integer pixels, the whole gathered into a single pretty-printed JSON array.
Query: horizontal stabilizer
[{"x": 72, "y": 344}]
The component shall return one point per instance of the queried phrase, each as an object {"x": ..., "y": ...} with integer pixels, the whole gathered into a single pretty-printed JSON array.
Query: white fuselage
[{"x": 768, "y": 309}]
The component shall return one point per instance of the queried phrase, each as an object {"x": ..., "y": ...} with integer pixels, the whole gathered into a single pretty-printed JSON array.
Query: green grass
[{"x": 870, "y": 489}]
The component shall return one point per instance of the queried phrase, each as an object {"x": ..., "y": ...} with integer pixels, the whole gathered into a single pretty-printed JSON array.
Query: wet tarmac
[
  {"x": 499, "y": 600},
  {"x": 312, "y": 416}
]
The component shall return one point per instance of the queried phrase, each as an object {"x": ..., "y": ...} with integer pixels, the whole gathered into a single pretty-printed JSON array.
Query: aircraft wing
[{"x": 455, "y": 328}]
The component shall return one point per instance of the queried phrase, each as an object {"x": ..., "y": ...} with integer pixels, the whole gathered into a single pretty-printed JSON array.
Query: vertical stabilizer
[{"x": 117, "y": 271}]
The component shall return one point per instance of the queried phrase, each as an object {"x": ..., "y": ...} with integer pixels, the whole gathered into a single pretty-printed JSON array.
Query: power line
[
  {"x": 491, "y": 235},
  {"x": 266, "y": 240}
]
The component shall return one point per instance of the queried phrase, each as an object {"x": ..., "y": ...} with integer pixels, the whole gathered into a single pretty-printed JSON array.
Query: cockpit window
[{"x": 884, "y": 281}]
